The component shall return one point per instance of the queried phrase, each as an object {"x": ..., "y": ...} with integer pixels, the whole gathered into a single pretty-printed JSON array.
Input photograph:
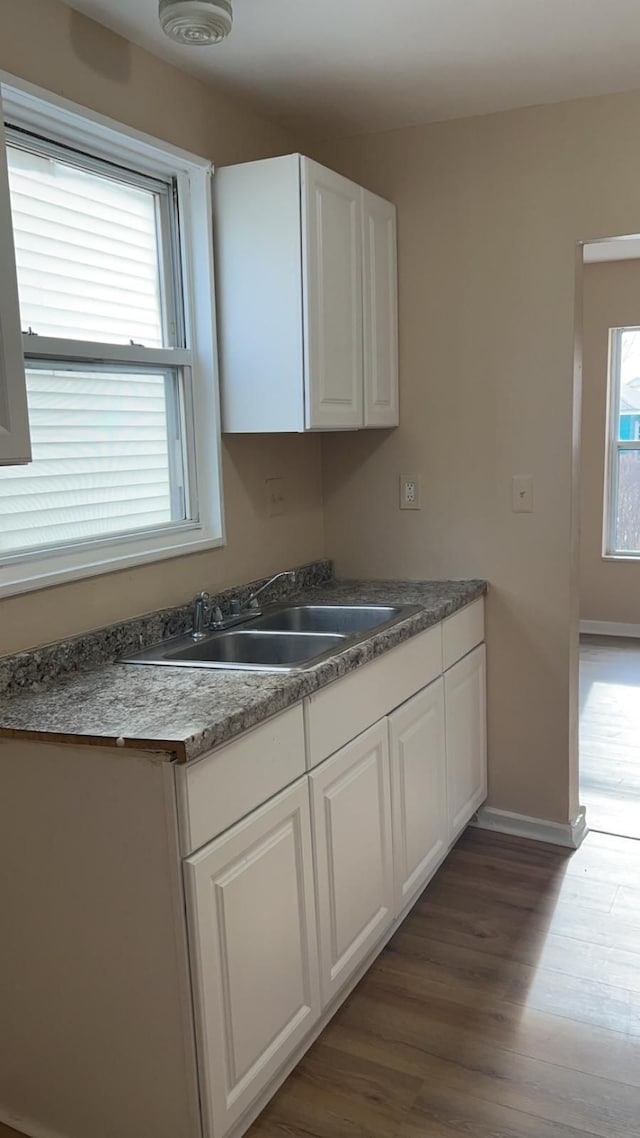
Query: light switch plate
[
  {"x": 276, "y": 500},
  {"x": 522, "y": 494},
  {"x": 410, "y": 492}
]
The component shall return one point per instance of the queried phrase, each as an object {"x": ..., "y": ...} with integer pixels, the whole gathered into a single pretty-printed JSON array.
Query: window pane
[
  {"x": 628, "y": 504},
  {"x": 86, "y": 253},
  {"x": 629, "y": 409},
  {"x": 104, "y": 458}
]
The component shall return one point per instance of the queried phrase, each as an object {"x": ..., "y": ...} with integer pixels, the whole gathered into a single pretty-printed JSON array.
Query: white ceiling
[{"x": 351, "y": 66}]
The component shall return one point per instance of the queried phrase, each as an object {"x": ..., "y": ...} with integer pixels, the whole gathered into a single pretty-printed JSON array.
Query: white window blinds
[
  {"x": 86, "y": 253},
  {"x": 103, "y": 462}
]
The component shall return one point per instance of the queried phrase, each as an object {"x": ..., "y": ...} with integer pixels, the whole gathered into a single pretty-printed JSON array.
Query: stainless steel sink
[
  {"x": 279, "y": 640},
  {"x": 262, "y": 649},
  {"x": 342, "y": 619}
]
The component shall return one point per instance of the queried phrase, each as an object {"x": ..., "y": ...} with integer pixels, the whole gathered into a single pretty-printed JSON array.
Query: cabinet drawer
[
  {"x": 462, "y": 632},
  {"x": 228, "y": 783},
  {"x": 347, "y": 707}
]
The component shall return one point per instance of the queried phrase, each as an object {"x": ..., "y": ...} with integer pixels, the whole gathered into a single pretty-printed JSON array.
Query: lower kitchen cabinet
[
  {"x": 253, "y": 942},
  {"x": 418, "y": 791},
  {"x": 294, "y": 850},
  {"x": 466, "y": 734},
  {"x": 351, "y": 807}
]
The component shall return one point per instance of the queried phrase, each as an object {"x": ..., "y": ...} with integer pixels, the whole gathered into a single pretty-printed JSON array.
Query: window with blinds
[{"x": 102, "y": 315}]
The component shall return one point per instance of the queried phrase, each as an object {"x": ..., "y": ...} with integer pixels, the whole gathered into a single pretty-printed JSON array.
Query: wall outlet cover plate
[{"x": 410, "y": 492}]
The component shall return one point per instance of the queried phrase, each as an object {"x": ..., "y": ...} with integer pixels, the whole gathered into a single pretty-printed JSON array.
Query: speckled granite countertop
[{"x": 184, "y": 712}]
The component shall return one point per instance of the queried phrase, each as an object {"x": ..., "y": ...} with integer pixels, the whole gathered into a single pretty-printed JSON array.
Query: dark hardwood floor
[
  {"x": 507, "y": 1006},
  {"x": 610, "y": 734}
]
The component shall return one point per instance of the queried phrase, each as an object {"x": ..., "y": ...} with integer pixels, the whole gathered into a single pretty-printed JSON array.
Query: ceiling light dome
[{"x": 196, "y": 22}]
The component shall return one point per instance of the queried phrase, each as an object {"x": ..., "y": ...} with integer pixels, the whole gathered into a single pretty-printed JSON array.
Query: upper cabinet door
[
  {"x": 380, "y": 306},
  {"x": 332, "y": 287},
  {"x": 14, "y": 422}
]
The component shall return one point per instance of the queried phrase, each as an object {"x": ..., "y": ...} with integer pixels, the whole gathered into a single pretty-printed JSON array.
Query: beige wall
[
  {"x": 49, "y": 44},
  {"x": 489, "y": 212},
  {"x": 609, "y": 590}
]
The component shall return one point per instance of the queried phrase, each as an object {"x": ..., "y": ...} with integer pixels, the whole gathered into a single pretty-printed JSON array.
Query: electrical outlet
[
  {"x": 522, "y": 494},
  {"x": 410, "y": 492},
  {"x": 276, "y": 500}
]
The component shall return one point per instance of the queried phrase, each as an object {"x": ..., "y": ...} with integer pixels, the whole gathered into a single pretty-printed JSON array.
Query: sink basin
[
  {"x": 267, "y": 649},
  {"x": 280, "y": 640},
  {"x": 342, "y": 619}
]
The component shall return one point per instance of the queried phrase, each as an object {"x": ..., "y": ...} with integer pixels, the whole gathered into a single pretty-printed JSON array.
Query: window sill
[
  {"x": 629, "y": 557},
  {"x": 26, "y": 576}
]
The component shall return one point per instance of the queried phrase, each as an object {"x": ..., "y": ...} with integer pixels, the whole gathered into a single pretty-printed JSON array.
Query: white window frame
[
  {"x": 61, "y": 121},
  {"x": 614, "y": 446}
]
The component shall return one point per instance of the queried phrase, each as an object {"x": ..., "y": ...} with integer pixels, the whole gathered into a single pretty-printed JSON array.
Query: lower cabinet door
[
  {"x": 253, "y": 943},
  {"x": 418, "y": 791},
  {"x": 351, "y": 806},
  {"x": 466, "y": 731}
]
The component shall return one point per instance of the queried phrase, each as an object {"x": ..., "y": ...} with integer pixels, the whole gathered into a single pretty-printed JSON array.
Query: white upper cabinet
[
  {"x": 380, "y": 311},
  {"x": 307, "y": 299},
  {"x": 15, "y": 447},
  {"x": 332, "y": 292}
]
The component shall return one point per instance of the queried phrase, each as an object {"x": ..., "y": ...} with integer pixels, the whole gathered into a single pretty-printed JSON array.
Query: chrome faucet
[
  {"x": 207, "y": 619},
  {"x": 252, "y": 600}
]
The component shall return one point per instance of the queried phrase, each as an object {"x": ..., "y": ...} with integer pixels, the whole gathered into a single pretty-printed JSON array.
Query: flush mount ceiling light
[{"x": 197, "y": 23}]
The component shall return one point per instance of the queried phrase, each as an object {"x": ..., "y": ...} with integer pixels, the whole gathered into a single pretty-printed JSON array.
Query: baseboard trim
[
  {"x": 609, "y": 628},
  {"x": 567, "y": 834}
]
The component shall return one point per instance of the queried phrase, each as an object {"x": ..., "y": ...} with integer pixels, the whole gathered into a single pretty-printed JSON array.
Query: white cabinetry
[
  {"x": 14, "y": 423},
  {"x": 307, "y": 299},
  {"x": 466, "y": 734},
  {"x": 418, "y": 791},
  {"x": 332, "y": 298},
  {"x": 380, "y": 322},
  {"x": 351, "y": 806},
  {"x": 295, "y": 850},
  {"x": 254, "y": 956}
]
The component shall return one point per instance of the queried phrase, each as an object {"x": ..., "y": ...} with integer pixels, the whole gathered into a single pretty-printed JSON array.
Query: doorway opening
[{"x": 609, "y": 729}]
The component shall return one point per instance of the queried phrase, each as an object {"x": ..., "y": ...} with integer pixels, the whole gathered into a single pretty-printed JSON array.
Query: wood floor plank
[
  {"x": 386, "y": 1026},
  {"x": 584, "y": 1001},
  {"x": 610, "y": 734},
  {"x": 466, "y": 1116},
  {"x": 500, "y": 925},
  {"x": 514, "y": 889},
  {"x": 523, "y": 958}
]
